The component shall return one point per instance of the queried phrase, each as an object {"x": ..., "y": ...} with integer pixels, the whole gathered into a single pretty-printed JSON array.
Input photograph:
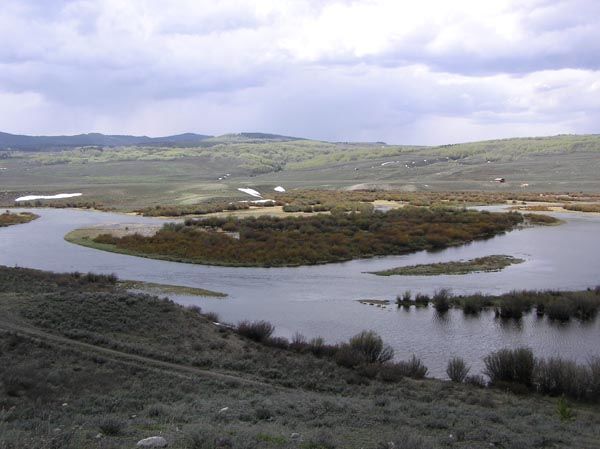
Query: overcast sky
[{"x": 419, "y": 71}]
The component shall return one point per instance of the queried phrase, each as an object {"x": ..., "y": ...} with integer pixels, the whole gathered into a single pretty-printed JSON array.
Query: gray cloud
[{"x": 430, "y": 72}]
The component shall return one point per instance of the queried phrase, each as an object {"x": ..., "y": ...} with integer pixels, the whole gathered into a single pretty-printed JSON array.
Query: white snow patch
[
  {"x": 250, "y": 192},
  {"x": 279, "y": 189},
  {"x": 47, "y": 197}
]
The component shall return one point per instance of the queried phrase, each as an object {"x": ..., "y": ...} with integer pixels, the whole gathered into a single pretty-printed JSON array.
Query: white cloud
[{"x": 340, "y": 70}]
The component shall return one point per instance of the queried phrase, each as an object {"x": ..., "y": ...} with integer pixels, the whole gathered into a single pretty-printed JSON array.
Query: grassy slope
[
  {"x": 59, "y": 392},
  {"x": 129, "y": 178}
]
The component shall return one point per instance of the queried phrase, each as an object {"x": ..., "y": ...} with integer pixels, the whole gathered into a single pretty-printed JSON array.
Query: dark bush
[
  {"x": 258, "y": 331},
  {"x": 441, "y": 300},
  {"x": 412, "y": 367},
  {"x": 348, "y": 357},
  {"x": 471, "y": 306},
  {"x": 477, "y": 380},
  {"x": 277, "y": 342},
  {"x": 298, "y": 342},
  {"x": 211, "y": 316},
  {"x": 422, "y": 300},
  {"x": 391, "y": 372},
  {"x": 512, "y": 366},
  {"x": 112, "y": 426},
  {"x": 371, "y": 347},
  {"x": 557, "y": 377},
  {"x": 457, "y": 370},
  {"x": 559, "y": 310},
  {"x": 511, "y": 307}
]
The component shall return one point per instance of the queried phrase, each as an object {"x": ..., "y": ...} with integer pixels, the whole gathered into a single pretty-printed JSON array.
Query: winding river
[{"x": 321, "y": 300}]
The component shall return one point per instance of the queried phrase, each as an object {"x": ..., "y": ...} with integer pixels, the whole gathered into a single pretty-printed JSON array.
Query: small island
[
  {"x": 8, "y": 218},
  {"x": 292, "y": 241},
  {"x": 167, "y": 289},
  {"x": 480, "y": 264}
]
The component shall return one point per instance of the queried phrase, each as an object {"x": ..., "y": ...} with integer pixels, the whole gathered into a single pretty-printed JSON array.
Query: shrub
[
  {"x": 594, "y": 367},
  {"x": 471, "y": 306},
  {"x": 258, "y": 330},
  {"x": 457, "y": 370},
  {"x": 421, "y": 300},
  {"x": 511, "y": 307},
  {"x": 277, "y": 342},
  {"x": 211, "y": 316},
  {"x": 512, "y": 366},
  {"x": 413, "y": 367},
  {"x": 565, "y": 412},
  {"x": 477, "y": 380},
  {"x": 585, "y": 308},
  {"x": 319, "y": 348},
  {"x": 371, "y": 347},
  {"x": 298, "y": 342},
  {"x": 559, "y": 310},
  {"x": 112, "y": 426},
  {"x": 441, "y": 300},
  {"x": 563, "y": 377},
  {"x": 348, "y": 357},
  {"x": 201, "y": 439},
  {"x": 156, "y": 410},
  {"x": 391, "y": 372}
]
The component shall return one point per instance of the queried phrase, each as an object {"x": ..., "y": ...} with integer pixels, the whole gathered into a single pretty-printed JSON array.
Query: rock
[
  {"x": 152, "y": 442},
  {"x": 296, "y": 436},
  {"x": 224, "y": 409}
]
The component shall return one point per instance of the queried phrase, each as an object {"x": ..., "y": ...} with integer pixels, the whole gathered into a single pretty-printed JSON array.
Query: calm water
[{"x": 320, "y": 300}]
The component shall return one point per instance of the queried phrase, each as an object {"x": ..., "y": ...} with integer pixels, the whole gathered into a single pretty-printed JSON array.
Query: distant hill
[{"x": 43, "y": 143}]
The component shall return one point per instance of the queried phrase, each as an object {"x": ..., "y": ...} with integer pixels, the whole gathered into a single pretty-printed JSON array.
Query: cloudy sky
[{"x": 425, "y": 71}]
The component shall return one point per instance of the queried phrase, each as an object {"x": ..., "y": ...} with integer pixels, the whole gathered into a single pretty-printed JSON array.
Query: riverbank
[{"x": 99, "y": 363}]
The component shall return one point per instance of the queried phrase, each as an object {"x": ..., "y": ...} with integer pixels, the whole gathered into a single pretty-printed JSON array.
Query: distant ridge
[{"x": 23, "y": 142}]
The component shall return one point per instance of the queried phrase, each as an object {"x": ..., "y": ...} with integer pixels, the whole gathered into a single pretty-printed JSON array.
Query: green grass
[
  {"x": 62, "y": 392},
  {"x": 480, "y": 264}
]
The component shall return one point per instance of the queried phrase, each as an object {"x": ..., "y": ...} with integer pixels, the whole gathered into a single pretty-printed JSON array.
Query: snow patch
[
  {"x": 250, "y": 192},
  {"x": 47, "y": 197},
  {"x": 279, "y": 189}
]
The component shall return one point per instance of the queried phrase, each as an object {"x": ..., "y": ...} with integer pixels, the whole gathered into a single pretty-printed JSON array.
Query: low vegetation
[
  {"x": 583, "y": 207},
  {"x": 84, "y": 363},
  {"x": 166, "y": 289},
  {"x": 480, "y": 264},
  {"x": 10, "y": 218},
  {"x": 314, "y": 201},
  {"x": 556, "y": 305},
  {"x": 272, "y": 241}
]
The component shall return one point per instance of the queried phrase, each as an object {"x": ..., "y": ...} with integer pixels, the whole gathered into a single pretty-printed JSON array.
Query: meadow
[{"x": 132, "y": 178}]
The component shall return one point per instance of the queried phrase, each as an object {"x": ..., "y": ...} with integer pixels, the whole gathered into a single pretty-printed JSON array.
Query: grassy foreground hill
[{"x": 86, "y": 364}]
